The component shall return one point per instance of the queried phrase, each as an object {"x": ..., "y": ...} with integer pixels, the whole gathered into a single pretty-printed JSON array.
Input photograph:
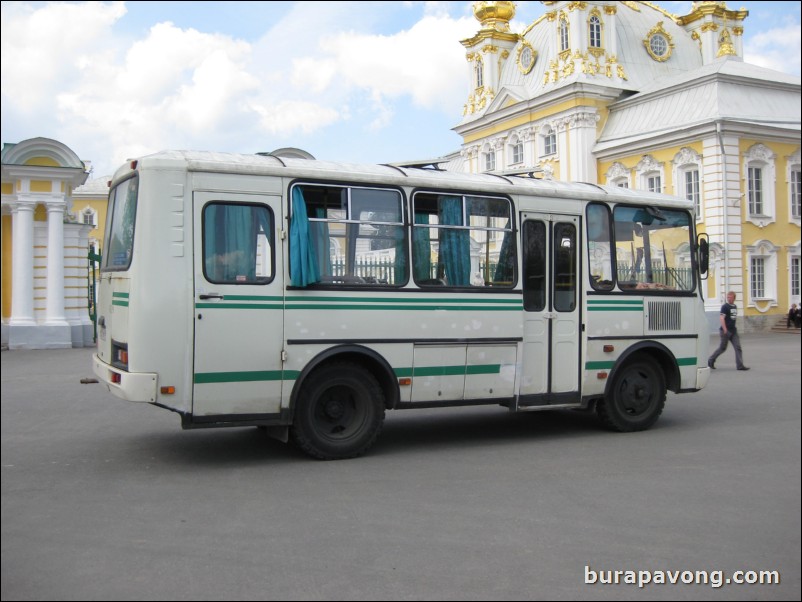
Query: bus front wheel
[
  {"x": 339, "y": 412},
  {"x": 636, "y": 397}
]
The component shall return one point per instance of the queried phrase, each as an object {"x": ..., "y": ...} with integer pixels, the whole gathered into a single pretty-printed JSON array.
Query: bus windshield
[
  {"x": 653, "y": 249},
  {"x": 120, "y": 222}
]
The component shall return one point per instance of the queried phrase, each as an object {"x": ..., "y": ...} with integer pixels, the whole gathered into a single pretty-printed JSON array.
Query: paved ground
[{"x": 102, "y": 499}]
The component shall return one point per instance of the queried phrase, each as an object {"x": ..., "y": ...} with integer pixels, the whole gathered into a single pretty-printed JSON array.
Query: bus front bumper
[{"x": 126, "y": 385}]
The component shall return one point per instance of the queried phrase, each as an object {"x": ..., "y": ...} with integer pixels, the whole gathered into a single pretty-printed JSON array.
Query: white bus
[{"x": 309, "y": 297}]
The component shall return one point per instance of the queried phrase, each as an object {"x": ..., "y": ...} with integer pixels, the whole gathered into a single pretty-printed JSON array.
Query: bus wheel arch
[
  {"x": 636, "y": 390},
  {"x": 659, "y": 354},
  {"x": 339, "y": 412},
  {"x": 360, "y": 356}
]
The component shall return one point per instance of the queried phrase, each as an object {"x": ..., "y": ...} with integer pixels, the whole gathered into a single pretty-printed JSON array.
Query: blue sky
[{"x": 352, "y": 81}]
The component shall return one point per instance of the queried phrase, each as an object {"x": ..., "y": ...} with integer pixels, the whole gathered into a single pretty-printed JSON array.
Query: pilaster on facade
[{"x": 723, "y": 199}]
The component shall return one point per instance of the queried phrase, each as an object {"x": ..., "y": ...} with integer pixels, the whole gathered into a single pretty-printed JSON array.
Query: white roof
[
  {"x": 391, "y": 175},
  {"x": 726, "y": 90}
]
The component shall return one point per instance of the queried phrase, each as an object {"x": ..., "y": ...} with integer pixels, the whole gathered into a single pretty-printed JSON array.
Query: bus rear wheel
[
  {"x": 339, "y": 412},
  {"x": 636, "y": 397}
]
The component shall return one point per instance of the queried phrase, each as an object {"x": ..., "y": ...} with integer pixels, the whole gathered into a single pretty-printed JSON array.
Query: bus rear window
[{"x": 120, "y": 224}]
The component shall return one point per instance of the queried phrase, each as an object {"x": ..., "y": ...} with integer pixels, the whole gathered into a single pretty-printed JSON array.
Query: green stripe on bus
[
  {"x": 202, "y": 378},
  {"x": 615, "y": 305},
  {"x": 447, "y": 370},
  {"x": 608, "y": 365},
  {"x": 354, "y": 304}
]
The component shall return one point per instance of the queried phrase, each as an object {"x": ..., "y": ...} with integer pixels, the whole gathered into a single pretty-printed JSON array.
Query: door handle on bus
[{"x": 212, "y": 296}]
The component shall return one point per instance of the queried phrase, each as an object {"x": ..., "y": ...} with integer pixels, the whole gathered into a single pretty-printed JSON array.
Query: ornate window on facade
[
  {"x": 549, "y": 141},
  {"x": 659, "y": 43},
  {"x": 762, "y": 266},
  {"x": 618, "y": 175},
  {"x": 687, "y": 177},
  {"x": 478, "y": 70},
  {"x": 795, "y": 187},
  {"x": 565, "y": 38},
  {"x": 595, "y": 34},
  {"x": 759, "y": 172},
  {"x": 650, "y": 174},
  {"x": 516, "y": 151},
  {"x": 490, "y": 160},
  {"x": 526, "y": 57}
]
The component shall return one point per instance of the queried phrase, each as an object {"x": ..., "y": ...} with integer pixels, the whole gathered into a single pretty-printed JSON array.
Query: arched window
[
  {"x": 794, "y": 176},
  {"x": 759, "y": 171},
  {"x": 565, "y": 41},
  {"x": 516, "y": 151},
  {"x": 549, "y": 141},
  {"x": 688, "y": 177},
  {"x": 479, "y": 72},
  {"x": 595, "y": 31},
  {"x": 89, "y": 217}
]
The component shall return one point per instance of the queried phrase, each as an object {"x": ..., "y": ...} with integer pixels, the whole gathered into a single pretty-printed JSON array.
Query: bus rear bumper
[
  {"x": 702, "y": 376},
  {"x": 126, "y": 385}
]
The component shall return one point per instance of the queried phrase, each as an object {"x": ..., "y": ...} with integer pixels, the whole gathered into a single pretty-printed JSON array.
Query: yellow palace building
[
  {"x": 49, "y": 220},
  {"x": 625, "y": 93}
]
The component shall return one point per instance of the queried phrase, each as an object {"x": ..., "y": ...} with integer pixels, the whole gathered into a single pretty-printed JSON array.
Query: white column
[
  {"x": 55, "y": 264},
  {"x": 22, "y": 265}
]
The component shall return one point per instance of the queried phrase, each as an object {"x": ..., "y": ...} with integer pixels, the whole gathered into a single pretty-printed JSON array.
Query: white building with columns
[
  {"x": 44, "y": 248},
  {"x": 629, "y": 94}
]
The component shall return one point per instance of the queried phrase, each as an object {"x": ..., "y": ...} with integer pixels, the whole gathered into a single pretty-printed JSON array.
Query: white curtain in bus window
[
  {"x": 653, "y": 249},
  {"x": 236, "y": 243}
]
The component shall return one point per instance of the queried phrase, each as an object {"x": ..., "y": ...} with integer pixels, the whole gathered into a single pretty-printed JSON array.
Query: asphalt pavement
[{"x": 108, "y": 500}]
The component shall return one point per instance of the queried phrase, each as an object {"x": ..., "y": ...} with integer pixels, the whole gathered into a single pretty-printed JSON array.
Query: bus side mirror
[{"x": 704, "y": 253}]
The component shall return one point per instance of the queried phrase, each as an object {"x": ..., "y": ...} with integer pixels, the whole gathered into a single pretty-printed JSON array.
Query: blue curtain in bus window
[
  {"x": 455, "y": 245},
  {"x": 400, "y": 263},
  {"x": 505, "y": 270},
  {"x": 230, "y": 243},
  {"x": 421, "y": 249},
  {"x": 319, "y": 237},
  {"x": 303, "y": 262}
]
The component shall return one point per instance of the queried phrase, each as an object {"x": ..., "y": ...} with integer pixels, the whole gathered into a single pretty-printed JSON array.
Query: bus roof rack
[
  {"x": 532, "y": 172},
  {"x": 422, "y": 164}
]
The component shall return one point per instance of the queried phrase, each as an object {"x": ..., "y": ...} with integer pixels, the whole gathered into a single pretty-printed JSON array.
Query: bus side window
[
  {"x": 535, "y": 258},
  {"x": 237, "y": 243},
  {"x": 600, "y": 258}
]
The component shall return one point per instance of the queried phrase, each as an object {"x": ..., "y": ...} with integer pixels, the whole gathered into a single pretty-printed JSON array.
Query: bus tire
[
  {"x": 636, "y": 397},
  {"x": 339, "y": 412}
]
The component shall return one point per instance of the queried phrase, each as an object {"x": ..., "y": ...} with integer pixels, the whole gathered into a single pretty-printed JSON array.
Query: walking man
[{"x": 728, "y": 333}]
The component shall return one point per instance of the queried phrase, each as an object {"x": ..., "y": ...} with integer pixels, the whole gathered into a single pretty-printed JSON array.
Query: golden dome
[{"x": 494, "y": 15}]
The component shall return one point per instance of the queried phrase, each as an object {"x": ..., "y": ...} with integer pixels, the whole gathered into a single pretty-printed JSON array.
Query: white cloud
[
  {"x": 50, "y": 47},
  {"x": 425, "y": 62},
  {"x": 776, "y": 49}
]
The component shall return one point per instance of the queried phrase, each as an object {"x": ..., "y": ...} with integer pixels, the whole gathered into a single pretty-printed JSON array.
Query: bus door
[
  {"x": 550, "y": 368},
  {"x": 239, "y": 306}
]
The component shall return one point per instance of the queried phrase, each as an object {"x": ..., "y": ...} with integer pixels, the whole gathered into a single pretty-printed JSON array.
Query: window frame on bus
[
  {"x": 651, "y": 288},
  {"x": 349, "y": 282},
  {"x": 268, "y": 232},
  {"x": 438, "y": 283},
  {"x": 111, "y": 215}
]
